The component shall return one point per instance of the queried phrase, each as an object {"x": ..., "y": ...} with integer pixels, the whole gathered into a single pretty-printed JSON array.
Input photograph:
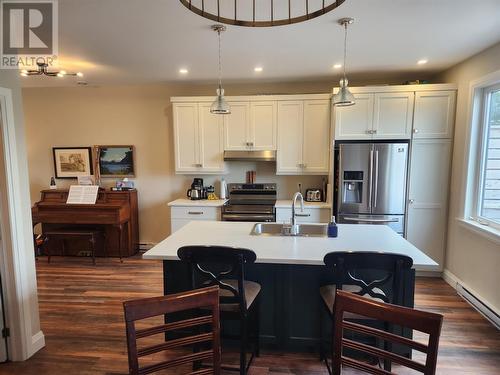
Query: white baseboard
[
  {"x": 473, "y": 298},
  {"x": 37, "y": 342}
]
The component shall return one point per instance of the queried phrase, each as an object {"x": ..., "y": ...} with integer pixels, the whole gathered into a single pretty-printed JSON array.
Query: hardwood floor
[{"x": 82, "y": 319}]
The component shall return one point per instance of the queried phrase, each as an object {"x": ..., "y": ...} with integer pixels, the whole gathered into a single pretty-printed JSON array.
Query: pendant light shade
[
  {"x": 220, "y": 106},
  {"x": 344, "y": 97}
]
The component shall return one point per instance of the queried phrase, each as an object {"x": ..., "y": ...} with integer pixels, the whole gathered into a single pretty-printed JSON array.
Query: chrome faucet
[{"x": 294, "y": 229}]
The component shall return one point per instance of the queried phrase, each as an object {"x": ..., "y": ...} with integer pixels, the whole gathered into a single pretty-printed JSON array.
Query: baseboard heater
[{"x": 488, "y": 313}]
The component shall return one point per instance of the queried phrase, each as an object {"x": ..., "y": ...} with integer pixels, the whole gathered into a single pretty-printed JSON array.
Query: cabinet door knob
[
  {"x": 415, "y": 131},
  {"x": 411, "y": 201}
]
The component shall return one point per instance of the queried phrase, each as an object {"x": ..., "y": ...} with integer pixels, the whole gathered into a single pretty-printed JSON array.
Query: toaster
[{"x": 314, "y": 195}]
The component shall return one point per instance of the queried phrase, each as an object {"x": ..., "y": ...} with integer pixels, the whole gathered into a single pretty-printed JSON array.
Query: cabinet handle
[
  {"x": 195, "y": 212},
  {"x": 198, "y": 165},
  {"x": 250, "y": 143},
  {"x": 368, "y": 132},
  {"x": 300, "y": 165},
  {"x": 302, "y": 215}
]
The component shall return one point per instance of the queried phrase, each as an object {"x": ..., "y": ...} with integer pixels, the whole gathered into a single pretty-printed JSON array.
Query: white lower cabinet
[
  {"x": 428, "y": 196},
  {"x": 310, "y": 215},
  {"x": 181, "y": 215}
]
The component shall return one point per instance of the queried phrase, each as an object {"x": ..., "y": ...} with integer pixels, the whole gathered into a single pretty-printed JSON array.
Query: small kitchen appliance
[
  {"x": 314, "y": 195},
  {"x": 197, "y": 190}
]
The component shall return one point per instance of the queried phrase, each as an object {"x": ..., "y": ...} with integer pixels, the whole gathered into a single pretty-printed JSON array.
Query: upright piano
[{"x": 115, "y": 213}]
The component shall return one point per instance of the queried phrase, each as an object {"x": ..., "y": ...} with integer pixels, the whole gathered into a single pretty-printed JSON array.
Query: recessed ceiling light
[
  {"x": 258, "y": 69},
  {"x": 183, "y": 71},
  {"x": 422, "y": 61},
  {"x": 337, "y": 66}
]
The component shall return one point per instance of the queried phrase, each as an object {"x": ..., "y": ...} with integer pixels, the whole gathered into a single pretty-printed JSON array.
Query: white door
[
  {"x": 263, "y": 125},
  {"x": 236, "y": 127},
  {"x": 186, "y": 138},
  {"x": 290, "y": 137},
  {"x": 393, "y": 115},
  {"x": 428, "y": 196},
  {"x": 434, "y": 114},
  {"x": 316, "y": 144},
  {"x": 355, "y": 121},
  {"x": 211, "y": 140}
]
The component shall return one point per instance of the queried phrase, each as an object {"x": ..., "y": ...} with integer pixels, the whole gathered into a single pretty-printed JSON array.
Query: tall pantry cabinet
[{"x": 430, "y": 172}]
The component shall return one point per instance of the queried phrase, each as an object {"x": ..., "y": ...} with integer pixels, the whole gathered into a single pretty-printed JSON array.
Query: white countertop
[
  {"x": 184, "y": 202},
  {"x": 290, "y": 250},
  {"x": 282, "y": 203}
]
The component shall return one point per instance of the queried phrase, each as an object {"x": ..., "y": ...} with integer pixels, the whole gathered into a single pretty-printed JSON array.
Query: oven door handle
[{"x": 239, "y": 217}]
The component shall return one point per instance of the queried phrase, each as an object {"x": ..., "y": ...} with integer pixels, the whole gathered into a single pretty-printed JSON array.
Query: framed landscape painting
[
  {"x": 116, "y": 161},
  {"x": 71, "y": 162}
]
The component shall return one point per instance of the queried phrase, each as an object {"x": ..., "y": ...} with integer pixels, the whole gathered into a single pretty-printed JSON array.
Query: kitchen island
[{"x": 289, "y": 269}]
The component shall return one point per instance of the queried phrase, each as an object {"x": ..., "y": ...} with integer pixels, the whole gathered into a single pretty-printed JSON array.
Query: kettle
[{"x": 194, "y": 194}]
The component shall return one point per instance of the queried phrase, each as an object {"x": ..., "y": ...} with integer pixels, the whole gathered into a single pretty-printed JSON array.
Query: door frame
[{"x": 17, "y": 263}]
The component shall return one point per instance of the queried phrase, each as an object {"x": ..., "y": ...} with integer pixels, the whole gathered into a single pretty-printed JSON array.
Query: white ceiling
[{"x": 141, "y": 41}]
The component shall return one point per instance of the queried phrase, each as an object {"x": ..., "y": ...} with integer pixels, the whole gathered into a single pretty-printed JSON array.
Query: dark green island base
[{"x": 290, "y": 305}]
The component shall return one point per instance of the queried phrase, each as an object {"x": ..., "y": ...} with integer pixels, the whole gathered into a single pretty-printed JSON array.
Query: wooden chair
[
  {"x": 239, "y": 298},
  {"x": 426, "y": 322},
  {"x": 136, "y": 310},
  {"x": 374, "y": 275}
]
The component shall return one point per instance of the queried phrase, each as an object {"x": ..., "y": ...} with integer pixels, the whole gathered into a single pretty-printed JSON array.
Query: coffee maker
[{"x": 197, "y": 190}]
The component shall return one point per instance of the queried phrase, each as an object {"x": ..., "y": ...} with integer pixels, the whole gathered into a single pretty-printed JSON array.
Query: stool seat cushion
[
  {"x": 252, "y": 290},
  {"x": 327, "y": 293}
]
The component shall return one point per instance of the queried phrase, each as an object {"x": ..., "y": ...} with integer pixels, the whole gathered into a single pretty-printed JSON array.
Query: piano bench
[{"x": 67, "y": 234}]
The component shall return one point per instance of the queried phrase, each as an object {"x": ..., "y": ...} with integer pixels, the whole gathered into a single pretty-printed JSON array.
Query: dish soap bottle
[{"x": 332, "y": 228}]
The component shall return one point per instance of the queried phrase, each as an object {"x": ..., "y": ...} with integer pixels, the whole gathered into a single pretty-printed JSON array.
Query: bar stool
[
  {"x": 239, "y": 298},
  {"x": 378, "y": 276}
]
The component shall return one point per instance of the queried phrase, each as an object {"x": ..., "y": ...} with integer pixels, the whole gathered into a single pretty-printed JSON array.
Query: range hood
[{"x": 266, "y": 155}]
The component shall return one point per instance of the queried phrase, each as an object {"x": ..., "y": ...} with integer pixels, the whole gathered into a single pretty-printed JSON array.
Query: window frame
[{"x": 481, "y": 157}]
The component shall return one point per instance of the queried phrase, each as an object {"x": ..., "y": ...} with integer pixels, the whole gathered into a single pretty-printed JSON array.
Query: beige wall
[
  {"x": 472, "y": 258},
  {"x": 138, "y": 115}
]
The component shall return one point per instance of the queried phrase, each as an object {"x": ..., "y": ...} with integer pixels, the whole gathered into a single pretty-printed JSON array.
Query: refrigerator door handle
[
  {"x": 370, "y": 183},
  {"x": 363, "y": 220},
  {"x": 375, "y": 185}
]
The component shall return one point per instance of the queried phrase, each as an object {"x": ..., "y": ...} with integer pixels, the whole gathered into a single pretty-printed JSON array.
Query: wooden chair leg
[
  {"x": 120, "y": 230},
  {"x": 243, "y": 345},
  {"x": 257, "y": 327},
  {"x": 92, "y": 247}
]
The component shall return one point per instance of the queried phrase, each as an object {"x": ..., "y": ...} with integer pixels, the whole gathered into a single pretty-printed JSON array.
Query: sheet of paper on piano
[{"x": 80, "y": 194}]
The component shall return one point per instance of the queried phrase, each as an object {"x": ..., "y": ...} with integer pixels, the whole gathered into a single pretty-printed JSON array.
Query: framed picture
[
  {"x": 71, "y": 162},
  {"x": 116, "y": 161}
]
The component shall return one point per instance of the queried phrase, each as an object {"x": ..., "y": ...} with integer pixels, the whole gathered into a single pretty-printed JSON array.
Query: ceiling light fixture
[
  {"x": 220, "y": 106},
  {"x": 264, "y": 11},
  {"x": 344, "y": 97},
  {"x": 42, "y": 69},
  {"x": 258, "y": 69},
  {"x": 422, "y": 61},
  {"x": 183, "y": 71}
]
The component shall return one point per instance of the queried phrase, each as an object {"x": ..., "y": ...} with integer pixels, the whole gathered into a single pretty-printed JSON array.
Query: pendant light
[
  {"x": 220, "y": 106},
  {"x": 344, "y": 97}
]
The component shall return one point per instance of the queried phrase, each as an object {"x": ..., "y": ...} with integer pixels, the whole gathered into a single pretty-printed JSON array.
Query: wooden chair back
[
  {"x": 212, "y": 265},
  {"x": 136, "y": 310},
  {"x": 402, "y": 316},
  {"x": 349, "y": 267}
]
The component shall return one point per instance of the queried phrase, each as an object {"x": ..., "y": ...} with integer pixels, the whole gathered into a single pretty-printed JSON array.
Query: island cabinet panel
[{"x": 290, "y": 304}]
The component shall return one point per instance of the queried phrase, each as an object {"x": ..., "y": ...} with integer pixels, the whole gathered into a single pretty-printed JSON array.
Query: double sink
[{"x": 285, "y": 230}]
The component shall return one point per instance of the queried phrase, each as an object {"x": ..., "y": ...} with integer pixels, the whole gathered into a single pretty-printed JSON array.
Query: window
[{"x": 487, "y": 207}]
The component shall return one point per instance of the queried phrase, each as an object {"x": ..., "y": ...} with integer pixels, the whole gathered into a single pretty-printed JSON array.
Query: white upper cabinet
[
  {"x": 236, "y": 126},
  {"x": 251, "y": 126},
  {"x": 290, "y": 134},
  {"x": 434, "y": 114},
  {"x": 355, "y": 121},
  {"x": 197, "y": 139},
  {"x": 263, "y": 125},
  {"x": 316, "y": 147},
  {"x": 376, "y": 116},
  {"x": 303, "y": 137},
  {"x": 211, "y": 140},
  {"x": 392, "y": 115}
]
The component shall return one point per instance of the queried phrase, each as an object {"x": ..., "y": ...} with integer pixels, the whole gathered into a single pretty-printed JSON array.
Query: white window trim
[{"x": 473, "y": 145}]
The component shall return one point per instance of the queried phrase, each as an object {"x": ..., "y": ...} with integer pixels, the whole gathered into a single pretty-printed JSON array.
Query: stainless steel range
[{"x": 250, "y": 202}]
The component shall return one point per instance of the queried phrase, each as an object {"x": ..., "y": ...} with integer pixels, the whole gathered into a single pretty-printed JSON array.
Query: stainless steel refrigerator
[{"x": 372, "y": 184}]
